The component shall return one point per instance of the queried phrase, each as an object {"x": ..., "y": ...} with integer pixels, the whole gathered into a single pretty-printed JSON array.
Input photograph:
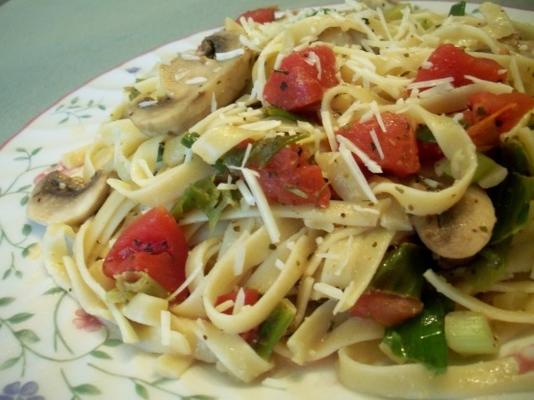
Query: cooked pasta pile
[{"x": 359, "y": 267}]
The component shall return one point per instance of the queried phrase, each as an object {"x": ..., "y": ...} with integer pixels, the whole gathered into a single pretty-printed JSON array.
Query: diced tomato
[
  {"x": 510, "y": 108},
  {"x": 451, "y": 61},
  {"x": 251, "y": 297},
  {"x": 259, "y": 15},
  {"x": 288, "y": 178},
  {"x": 398, "y": 143},
  {"x": 388, "y": 309},
  {"x": 153, "y": 243},
  {"x": 298, "y": 85}
]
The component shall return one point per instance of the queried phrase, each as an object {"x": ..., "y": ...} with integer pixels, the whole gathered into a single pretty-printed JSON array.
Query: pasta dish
[{"x": 350, "y": 183}]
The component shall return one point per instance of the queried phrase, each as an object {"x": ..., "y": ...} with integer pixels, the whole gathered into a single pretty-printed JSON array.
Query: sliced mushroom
[
  {"x": 463, "y": 230},
  {"x": 190, "y": 85},
  {"x": 59, "y": 198}
]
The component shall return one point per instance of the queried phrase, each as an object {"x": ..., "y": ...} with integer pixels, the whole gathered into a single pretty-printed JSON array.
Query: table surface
[{"x": 49, "y": 48}]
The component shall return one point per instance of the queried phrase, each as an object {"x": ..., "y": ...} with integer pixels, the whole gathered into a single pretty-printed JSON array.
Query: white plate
[{"x": 50, "y": 348}]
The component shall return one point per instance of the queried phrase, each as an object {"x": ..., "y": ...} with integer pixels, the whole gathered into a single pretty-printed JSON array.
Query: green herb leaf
[
  {"x": 424, "y": 134},
  {"x": 141, "y": 391},
  {"x": 279, "y": 113},
  {"x": 263, "y": 150},
  {"x": 86, "y": 388},
  {"x": 512, "y": 203},
  {"x": 514, "y": 156},
  {"x": 458, "y": 9},
  {"x": 402, "y": 270},
  {"x": 132, "y": 92},
  {"x": 189, "y": 139},
  {"x": 488, "y": 267},
  {"x": 422, "y": 339}
]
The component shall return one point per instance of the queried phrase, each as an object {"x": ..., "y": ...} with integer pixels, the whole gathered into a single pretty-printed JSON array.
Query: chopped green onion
[
  {"x": 189, "y": 139},
  {"x": 276, "y": 112},
  {"x": 274, "y": 328},
  {"x": 422, "y": 338},
  {"x": 469, "y": 333},
  {"x": 424, "y": 134},
  {"x": 512, "y": 203},
  {"x": 128, "y": 284},
  {"x": 402, "y": 270},
  {"x": 458, "y": 9}
]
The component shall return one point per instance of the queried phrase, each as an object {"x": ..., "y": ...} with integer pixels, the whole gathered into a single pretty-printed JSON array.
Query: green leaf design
[
  {"x": 6, "y": 274},
  {"x": 23, "y": 188},
  {"x": 112, "y": 342},
  {"x": 141, "y": 391},
  {"x": 24, "y": 200},
  {"x": 53, "y": 290},
  {"x": 20, "y": 150},
  {"x": 20, "y": 317},
  {"x": 4, "y": 301},
  {"x": 100, "y": 354},
  {"x": 26, "y": 250},
  {"x": 18, "y": 274},
  {"x": 64, "y": 120},
  {"x": 86, "y": 388},
  {"x": 102, "y": 107},
  {"x": 27, "y": 335},
  {"x": 26, "y": 229},
  {"x": 198, "y": 397},
  {"x": 74, "y": 100},
  {"x": 36, "y": 150},
  {"x": 9, "y": 363}
]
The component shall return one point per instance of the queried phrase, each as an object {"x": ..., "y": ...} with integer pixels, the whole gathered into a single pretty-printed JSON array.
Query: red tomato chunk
[
  {"x": 398, "y": 143},
  {"x": 288, "y": 178},
  {"x": 388, "y": 309},
  {"x": 298, "y": 85},
  {"x": 451, "y": 61},
  {"x": 153, "y": 243},
  {"x": 259, "y": 15},
  {"x": 251, "y": 297}
]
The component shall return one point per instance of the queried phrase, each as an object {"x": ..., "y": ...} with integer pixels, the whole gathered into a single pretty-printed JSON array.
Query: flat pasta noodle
[{"x": 263, "y": 257}]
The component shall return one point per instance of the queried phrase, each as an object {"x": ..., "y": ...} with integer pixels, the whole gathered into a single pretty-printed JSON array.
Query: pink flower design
[{"x": 85, "y": 321}]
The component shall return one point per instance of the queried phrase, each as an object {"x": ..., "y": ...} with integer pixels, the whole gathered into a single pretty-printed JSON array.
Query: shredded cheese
[
  {"x": 165, "y": 319},
  {"x": 189, "y": 57},
  {"x": 376, "y": 112},
  {"x": 213, "y": 104},
  {"x": 197, "y": 80},
  {"x": 328, "y": 290},
  {"x": 279, "y": 264},
  {"x": 430, "y": 83},
  {"x": 368, "y": 162},
  {"x": 356, "y": 172},
  {"x": 239, "y": 260},
  {"x": 229, "y": 54},
  {"x": 329, "y": 130},
  {"x": 245, "y": 192},
  {"x": 224, "y": 306},
  {"x": 263, "y": 205},
  {"x": 376, "y": 142},
  {"x": 239, "y": 301}
]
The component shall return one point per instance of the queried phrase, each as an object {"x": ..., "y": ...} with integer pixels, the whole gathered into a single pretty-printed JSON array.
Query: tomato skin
[
  {"x": 429, "y": 152},
  {"x": 153, "y": 243},
  {"x": 288, "y": 173},
  {"x": 297, "y": 85},
  {"x": 388, "y": 309},
  {"x": 251, "y": 297},
  {"x": 398, "y": 143},
  {"x": 451, "y": 61},
  {"x": 259, "y": 15}
]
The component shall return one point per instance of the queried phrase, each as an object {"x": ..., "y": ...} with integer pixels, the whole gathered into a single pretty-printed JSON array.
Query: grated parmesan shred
[
  {"x": 239, "y": 301},
  {"x": 328, "y": 290},
  {"x": 377, "y": 144},
  {"x": 229, "y": 54},
  {"x": 357, "y": 174},
  {"x": 370, "y": 164}
]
